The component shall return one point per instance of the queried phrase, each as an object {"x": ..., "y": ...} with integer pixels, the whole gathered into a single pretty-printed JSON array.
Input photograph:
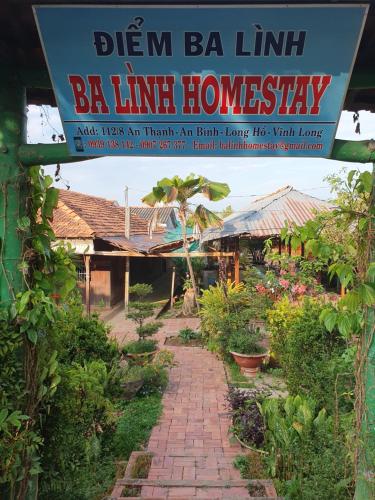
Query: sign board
[{"x": 200, "y": 80}]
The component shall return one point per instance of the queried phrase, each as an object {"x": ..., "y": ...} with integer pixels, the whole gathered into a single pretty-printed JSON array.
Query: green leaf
[
  {"x": 3, "y": 415},
  {"x": 171, "y": 193},
  {"x": 23, "y": 223},
  {"x": 367, "y": 294},
  {"x": 205, "y": 218},
  {"x": 351, "y": 175},
  {"x": 55, "y": 381},
  {"x": 330, "y": 320},
  {"x": 52, "y": 197},
  {"x": 32, "y": 336},
  {"x": 351, "y": 300},
  {"x": 154, "y": 197},
  {"x": 295, "y": 242},
  {"x": 25, "y": 297},
  {"x": 344, "y": 324},
  {"x": 363, "y": 223},
  {"x": 367, "y": 180},
  {"x": 371, "y": 271},
  {"x": 345, "y": 274},
  {"x": 313, "y": 247},
  {"x": 215, "y": 190},
  {"x": 283, "y": 233}
]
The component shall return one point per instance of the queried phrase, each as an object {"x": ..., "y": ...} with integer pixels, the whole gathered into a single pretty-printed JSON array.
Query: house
[
  {"x": 263, "y": 219},
  {"x": 95, "y": 228}
]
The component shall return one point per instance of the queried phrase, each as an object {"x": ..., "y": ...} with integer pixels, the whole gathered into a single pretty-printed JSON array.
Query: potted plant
[
  {"x": 139, "y": 311},
  {"x": 244, "y": 345}
]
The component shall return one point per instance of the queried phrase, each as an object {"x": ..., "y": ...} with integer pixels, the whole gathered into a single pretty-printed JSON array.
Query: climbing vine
[{"x": 28, "y": 360}]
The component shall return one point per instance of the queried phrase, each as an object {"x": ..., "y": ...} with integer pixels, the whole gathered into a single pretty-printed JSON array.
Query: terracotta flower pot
[{"x": 249, "y": 363}]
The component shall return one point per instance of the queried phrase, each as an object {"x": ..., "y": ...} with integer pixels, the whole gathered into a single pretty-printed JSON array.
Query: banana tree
[{"x": 180, "y": 191}]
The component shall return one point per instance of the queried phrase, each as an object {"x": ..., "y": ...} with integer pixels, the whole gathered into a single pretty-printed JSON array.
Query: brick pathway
[
  {"x": 191, "y": 441},
  {"x": 123, "y": 330}
]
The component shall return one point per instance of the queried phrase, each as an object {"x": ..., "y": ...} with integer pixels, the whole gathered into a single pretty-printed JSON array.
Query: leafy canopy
[{"x": 181, "y": 190}]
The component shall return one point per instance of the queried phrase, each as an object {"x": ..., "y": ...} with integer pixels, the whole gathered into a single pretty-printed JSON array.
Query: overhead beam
[
  {"x": 354, "y": 151},
  {"x": 361, "y": 80},
  {"x": 47, "y": 154},
  {"x": 34, "y": 78},
  {"x": 120, "y": 253}
]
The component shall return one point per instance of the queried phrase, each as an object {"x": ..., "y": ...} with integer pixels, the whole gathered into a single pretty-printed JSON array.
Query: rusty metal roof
[
  {"x": 163, "y": 214},
  {"x": 267, "y": 215}
]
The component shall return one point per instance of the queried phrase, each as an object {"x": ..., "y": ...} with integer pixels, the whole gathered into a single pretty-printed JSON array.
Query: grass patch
[
  {"x": 236, "y": 378},
  {"x": 251, "y": 466},
  {"x": 135, "y": 425},
  {"x": 141, "y": 466},
  {"x": 176, "y": 341}
]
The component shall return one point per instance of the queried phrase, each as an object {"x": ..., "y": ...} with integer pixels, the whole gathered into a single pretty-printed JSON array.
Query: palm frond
[
  {"x": 205, "y": 218},
  {"x": 215, "y": 190}
]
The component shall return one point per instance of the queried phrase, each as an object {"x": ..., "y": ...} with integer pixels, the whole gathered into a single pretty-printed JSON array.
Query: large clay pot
[{"x": 249, "y": 363}]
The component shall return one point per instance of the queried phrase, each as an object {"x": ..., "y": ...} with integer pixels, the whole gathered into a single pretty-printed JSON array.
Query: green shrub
[
  {"x": 77, "y": 457},
  {"x": 312, "y": 358},
  {"x": 80, "y": 417},
  {"x": 188, "y": 334},
  {"x": 279, "y": 323},
  {"x": 258, "y": 303},
  {"x": 82, "y": 338},
  {"x": 315, "y": 360},
  {"x": 135, "y": 425},
  {"x": 148, "y": 329},
  {"x": 155, "y": 379},
  {"x": 245, "y": 341},
  {"x": 140, "y": 346},
  {"x": 307, "y": 455},
  {"x": 217, "y": 302},
  {"x": 250, "y": 465},
  {"x": 139, "y": 311}
]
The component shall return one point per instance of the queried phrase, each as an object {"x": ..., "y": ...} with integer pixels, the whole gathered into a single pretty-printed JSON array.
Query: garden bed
[
  {"x": 178, "y": 342},
  {"x": 137, "y": 468}
]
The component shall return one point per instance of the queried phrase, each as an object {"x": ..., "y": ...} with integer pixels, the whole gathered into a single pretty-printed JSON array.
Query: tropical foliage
[
  {"x": 180, "y": 191},
  {"x": 61, "y": 379},
  {"x": 306, "y": 452}
]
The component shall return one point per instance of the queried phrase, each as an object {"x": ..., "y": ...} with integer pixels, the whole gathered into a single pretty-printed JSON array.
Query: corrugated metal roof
[
  {"x": 267, "y": 215},
  {"x": 121, "y": 243},
  {"x": 163, "y": 214}
]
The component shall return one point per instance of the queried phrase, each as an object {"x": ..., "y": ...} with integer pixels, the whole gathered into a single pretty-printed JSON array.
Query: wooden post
[
  {"x": 172, "y": 285},
  {"x": 237, "y": 267},
  {"x": 126, "y": 287},
  {"x": 87, "y": 283}
]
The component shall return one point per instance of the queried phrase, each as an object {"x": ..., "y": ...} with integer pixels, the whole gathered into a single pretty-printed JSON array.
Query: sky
[{"x": 108, "y": 176}]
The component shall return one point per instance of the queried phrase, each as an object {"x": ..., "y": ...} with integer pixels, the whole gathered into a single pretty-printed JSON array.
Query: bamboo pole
[
  {"x": 88, "y": 283},
  {"x": 172, "y": 285},
  {"x": 237, "y": 267}
]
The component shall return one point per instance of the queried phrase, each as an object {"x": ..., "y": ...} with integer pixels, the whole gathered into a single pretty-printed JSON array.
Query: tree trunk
[
  {"x": 188, "y": 259},
  {"x": 191, "y": 272},
  {"x": 189, "y": 303}
]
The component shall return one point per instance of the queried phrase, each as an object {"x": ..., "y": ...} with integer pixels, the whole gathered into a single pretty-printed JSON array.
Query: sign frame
[{"x": 73, "y": 152}]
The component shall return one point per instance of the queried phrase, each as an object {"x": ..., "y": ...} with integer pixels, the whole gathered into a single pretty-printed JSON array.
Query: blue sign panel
[{"x": 200, "y": 81}]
